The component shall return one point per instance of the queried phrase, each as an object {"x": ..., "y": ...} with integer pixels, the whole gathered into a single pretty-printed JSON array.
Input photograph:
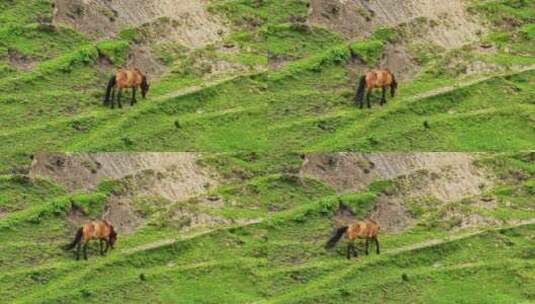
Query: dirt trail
[
  {"x": 332, "y": 277},
  {"x": 184, "y": 21},
  {"x": 396, "y": 104},
  {"x": 74, "y": 277},
  {"x": 112, "y": 124},
  {"x": 446, "y": 89},
  {"x": 445, "y": 23},
  {"x": 453, "y": 238},
  {"x": 168, "y": 242}
]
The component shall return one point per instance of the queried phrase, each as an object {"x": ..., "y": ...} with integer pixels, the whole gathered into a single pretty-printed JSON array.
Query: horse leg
[
  {"x": 78, "y": 248},
  {"x": 355, "y": 252},
  {"x": 367, "y": 244},
  {"x": 368, "y": 98},
  {"x": 377, "y": 245},
  {"x": 85, "y": 250},
  {"x": 107, "y": 247},
  {"x": 349, "y": 251},
  {"x": 112, "y": 96},
  {"x": 100, "y": 247},
  {"x": 119, "y": 95},
  {"x": 134, "y": 101},
  {"x": 112, "y": 100},
  {"x": 383, "y": 99},
  {"x": 362, "y": 102}
]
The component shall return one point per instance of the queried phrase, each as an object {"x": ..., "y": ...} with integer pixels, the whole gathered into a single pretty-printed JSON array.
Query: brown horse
[
  {"x": 375, "y": 79},
  {"x": 124, "y": 79},
  {"x": 96, "y": 230},
  {"x": 367, "y": 229}
]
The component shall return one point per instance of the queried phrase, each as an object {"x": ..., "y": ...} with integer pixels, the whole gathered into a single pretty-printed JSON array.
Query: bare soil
[
  {"x": 190, "y": 23},
  {"x": 444, "y": 23},
  {"x": 174, "y": 176},
  {"x": 446, "y": 177},
  {"x": 168, "y": 176},
  {"x": 391, "y": 215},
  {"x": 21, "y": 61}
]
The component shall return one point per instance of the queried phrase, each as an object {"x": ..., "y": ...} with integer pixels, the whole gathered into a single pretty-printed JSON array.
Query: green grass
[
  {"x": 279, "y": 258},
  {"x": 305, "y": 104}
]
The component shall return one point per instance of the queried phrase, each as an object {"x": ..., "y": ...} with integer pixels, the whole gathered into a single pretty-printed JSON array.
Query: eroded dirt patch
[
  {"x": 191, "y": 24},
  {"x": 391, "y": 214},
  {"x": 447, "y": 176},
  {"x": 435, "y": 177},
  {"x": 395, "y": 57},
  {"x": 444, "y": 23},
  {"x": 153, "y": 180},
  {"x": 174, "y": 176}
]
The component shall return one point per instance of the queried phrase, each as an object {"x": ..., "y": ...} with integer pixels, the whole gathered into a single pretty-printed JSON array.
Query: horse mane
[
  {"x": 139, "y": 72},
  {"x": 106, "y": 222}
]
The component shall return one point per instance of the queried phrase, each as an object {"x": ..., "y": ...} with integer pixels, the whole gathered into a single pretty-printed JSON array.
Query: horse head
[
  {"x": 113, "y": 237},
  {"x": 144, "y": 86},
  {"x": 394, "y": 85}
]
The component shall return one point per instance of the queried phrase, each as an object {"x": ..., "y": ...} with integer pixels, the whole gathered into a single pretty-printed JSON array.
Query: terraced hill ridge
[
  {"x": 260, "y": 93},
  {"x": 255, "y": 75},
  {"x": 258, "y": 233}
]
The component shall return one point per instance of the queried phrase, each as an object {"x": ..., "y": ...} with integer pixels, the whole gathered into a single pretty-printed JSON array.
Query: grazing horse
[
  {"x": 367, "y": 229},
  {"x": 96, "y": 230},
  {"x": 375, "y": 79},
  {"x": 124, "y": 79}
]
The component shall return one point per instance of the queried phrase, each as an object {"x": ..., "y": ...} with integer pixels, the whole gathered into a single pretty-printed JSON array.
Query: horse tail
[
  {"x": 76, "y": 240},
  {"x": 336, "y": 236},
  {"x": 394, "y": 85},
  {"x": 359, "y": 98},
  {"x": 111, "y": 84}
]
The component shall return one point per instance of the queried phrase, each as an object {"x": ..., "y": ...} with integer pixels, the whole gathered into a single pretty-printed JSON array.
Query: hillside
[
  {"x": 264, "y": 74},
  {"x": 249, "y": 151},
  {"x": 250, "y": 228}
]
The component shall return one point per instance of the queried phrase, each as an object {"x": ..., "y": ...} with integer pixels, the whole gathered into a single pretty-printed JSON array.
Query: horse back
[
  {"x": 96, "y": 230},
  {"x": 379, "y": 78},
  {"x": 128, "y": 78},
  {"x": 88, "y": 231},
  {"x": 372, "y": 227},
  {"x": 363, "y": 229}
]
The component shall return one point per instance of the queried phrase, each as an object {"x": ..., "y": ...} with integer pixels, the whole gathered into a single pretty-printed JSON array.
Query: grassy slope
[
  {"x": 279, "y": 258},
  {"x": 305, "y": 105}
]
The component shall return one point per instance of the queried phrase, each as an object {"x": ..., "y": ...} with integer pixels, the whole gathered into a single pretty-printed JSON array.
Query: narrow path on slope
[
  {"x": 141, "y": 107},
  {"x": 350, "y": 130},
  {"x": 64, "y": 283},
  {"x": 331, "y": 277}
]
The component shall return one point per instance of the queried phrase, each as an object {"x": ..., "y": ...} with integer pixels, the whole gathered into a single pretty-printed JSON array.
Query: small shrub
[
  {"x": 369, "y": 51},
  {"x": 115, "y": 50}
]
